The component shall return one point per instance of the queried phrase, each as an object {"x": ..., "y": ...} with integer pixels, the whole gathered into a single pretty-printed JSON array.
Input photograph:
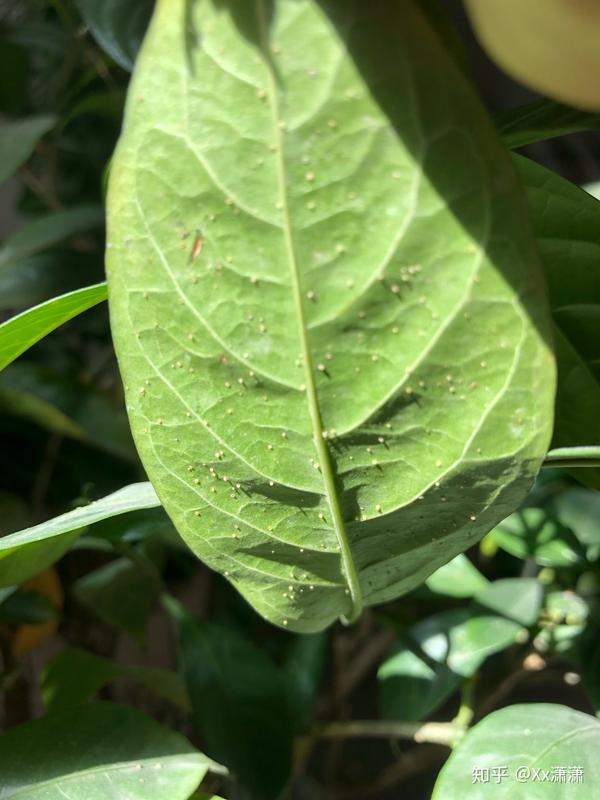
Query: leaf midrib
[{"x": 325, "y": 465}]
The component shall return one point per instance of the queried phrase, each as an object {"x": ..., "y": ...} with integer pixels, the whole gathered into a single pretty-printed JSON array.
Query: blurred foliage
[{"x": 523, "y": 604}]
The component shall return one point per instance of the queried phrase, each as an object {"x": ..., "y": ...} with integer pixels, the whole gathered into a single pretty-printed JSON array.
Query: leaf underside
[{"x": 325, "y": 300}]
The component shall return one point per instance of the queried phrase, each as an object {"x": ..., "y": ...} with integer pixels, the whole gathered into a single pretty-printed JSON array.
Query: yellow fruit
[{"x": 552, "y": 46}]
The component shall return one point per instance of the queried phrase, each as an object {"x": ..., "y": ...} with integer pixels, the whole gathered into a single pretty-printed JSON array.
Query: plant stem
[
  {"x": 434, "y": 732},
  {"x": 466, "y": 711},
  {"x": 588, "y": 456}
]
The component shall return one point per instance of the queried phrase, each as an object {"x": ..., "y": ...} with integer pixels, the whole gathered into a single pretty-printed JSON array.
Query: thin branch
[
  {"x": 434, "y": 732},
  {"x": 466, "y": 711},
  {"x": 588, "y": 456}
]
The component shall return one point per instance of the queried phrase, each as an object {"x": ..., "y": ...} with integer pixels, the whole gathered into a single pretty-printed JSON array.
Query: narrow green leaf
[
  {"x": 96, "y": 751},
  {"x": 118, "y": 26},
  {"x": 458, "y": 578},
  {"x": 66, "y": 405},
  {"x": 41, "y": 277},
  {"x": 535, "y": 750},
  {"x": 18, "y": 139},
  {"x": 48, "y": 230},
  {"x": 567, "y": 224},
  {"x": 534, "y": 533},
  {"x": 26, "y": 552},
  {"x": 74, "y": 676},
  {"x": 21, "y": 332},
  {"x": 239, "y": 702},
  {"x": 378, "y": 398},
  {"x": 540, "y": 120}
]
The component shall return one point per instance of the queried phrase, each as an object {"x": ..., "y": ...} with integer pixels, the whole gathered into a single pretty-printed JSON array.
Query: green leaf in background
[
  {"x": 74, "y": 676},
  {"x": 14, "y": 513},
  {"x": 463, "y": 638},
  {"x": 326, "y": 396},
  {"x": 540, "y": 120},
  {"x": 66, "y": 405},
  {"x": 567, "y": 224},
  {"x": 41, "y": 277},
  {"x": 23, "y": 607},
  {"x": 566, "y": 606},
  {"x": 239, "y": 702},
  {"x": 118, "y": 26},
  {"x": 535, "y": 736},
  {"x": 458, "y": 578},
  {"x": 27, "y": 552},
  {"x": 48, "y": 230},
  {"x": 13, "y": 78},
  {"x": 519, "y": 599},
  {"x": 18, "y": 139},
  {"x": 565, "y": 617},
  {"x": 303, "y": 670},
  {"x": 119, "y": 594},
  {"x": 534, "y": 533},
  {"x": 21, "y": 332},
  {"x": 412, "y": 685},
  {"x": 96, "y": 751},
  {"x": 579, "y": 510},
  {"x": 589, "y": 664},
  {"x": 436, "y": 654}
]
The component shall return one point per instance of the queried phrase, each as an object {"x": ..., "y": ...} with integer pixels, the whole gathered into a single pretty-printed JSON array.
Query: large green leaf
[
  {"x": 567, "y": 224},
  {"x": 239, "y": 701},
  {"x": 325, "y": 300},
  {"x": 95, "y": 752},
  {"x": 18, "y": 139},
  {"x": 26, "y": 552},
  {"x": 536, "y": 751},
  {"x": 24, "y": 330}
]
